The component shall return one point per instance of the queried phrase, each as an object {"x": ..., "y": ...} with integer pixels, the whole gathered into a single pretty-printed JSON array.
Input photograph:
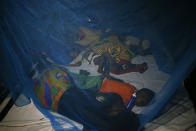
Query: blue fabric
[
  {"x": 47, "y": 94},
  {"x": 28, "y": 27}
]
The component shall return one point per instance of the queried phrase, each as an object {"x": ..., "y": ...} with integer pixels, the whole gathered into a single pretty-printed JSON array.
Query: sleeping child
[{"x": 97, "y": 102}]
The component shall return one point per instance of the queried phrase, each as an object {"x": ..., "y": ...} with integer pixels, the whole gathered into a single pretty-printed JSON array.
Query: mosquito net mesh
[{"x": 106, "y": 64}]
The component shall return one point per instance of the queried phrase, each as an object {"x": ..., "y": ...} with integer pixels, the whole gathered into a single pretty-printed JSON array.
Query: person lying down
[{"x": 97, "y": 102}]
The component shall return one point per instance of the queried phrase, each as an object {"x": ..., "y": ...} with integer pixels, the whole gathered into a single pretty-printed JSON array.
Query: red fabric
[
  {"x": 125, "y": 90},
  {"x": 123, "y": 66}
]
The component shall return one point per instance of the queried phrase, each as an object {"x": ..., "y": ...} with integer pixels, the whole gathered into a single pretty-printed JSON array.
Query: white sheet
[{"x": 29, "y": 118}]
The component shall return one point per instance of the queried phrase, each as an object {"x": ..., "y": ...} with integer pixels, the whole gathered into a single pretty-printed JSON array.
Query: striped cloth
[{"x": 50, "y": 86}]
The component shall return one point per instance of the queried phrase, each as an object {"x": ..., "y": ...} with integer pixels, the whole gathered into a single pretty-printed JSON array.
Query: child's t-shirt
[{"x": 125, "y": 90}]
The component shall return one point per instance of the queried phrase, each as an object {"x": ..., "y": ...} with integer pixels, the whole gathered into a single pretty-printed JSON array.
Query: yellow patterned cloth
[{"x": 114, "y": 47}]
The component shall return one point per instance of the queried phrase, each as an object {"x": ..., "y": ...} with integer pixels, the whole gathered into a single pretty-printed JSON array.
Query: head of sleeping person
[{"x": 144, "y": 97}]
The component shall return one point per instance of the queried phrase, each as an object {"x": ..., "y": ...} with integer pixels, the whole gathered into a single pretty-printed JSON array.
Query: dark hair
[{"x": 144, "y": 97}]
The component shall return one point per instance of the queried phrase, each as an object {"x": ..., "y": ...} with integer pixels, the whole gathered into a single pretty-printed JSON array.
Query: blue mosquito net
[{"x": 106, "y": 64}]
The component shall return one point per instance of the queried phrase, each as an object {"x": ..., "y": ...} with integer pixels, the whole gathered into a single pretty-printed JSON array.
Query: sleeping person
[{"x": 97, "y": 102}]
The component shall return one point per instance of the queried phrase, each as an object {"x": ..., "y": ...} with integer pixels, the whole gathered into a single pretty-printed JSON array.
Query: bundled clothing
[
  {"x": 117, "y": 66},
  {"x": 114, "y": 47}
]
